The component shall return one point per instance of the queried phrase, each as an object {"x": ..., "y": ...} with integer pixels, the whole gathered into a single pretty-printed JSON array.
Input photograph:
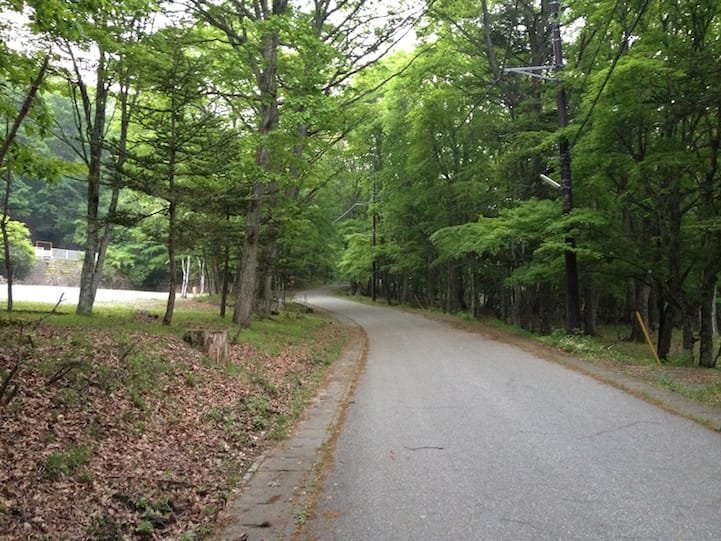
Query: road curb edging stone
[{"x": 276, "y": 490}]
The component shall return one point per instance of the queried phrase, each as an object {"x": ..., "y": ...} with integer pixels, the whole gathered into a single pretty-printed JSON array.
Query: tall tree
[
  {"x": 14, "y": 118},
  {"x": 93, "y": 37},
  {"x": 177, "y": 137},
  {"x": 323, "y": 49},
  {"x": 259, "y": 48}
]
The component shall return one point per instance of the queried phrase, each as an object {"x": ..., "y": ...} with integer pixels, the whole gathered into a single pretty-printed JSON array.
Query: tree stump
[{"x": 213, "y": 343}]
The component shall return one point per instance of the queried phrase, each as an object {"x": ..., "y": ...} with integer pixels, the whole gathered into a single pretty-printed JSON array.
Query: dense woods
[{"x": 272, "y": 143}]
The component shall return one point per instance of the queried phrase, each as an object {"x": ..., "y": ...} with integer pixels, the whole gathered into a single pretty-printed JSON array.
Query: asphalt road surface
[{"x": 451, "y": 436}]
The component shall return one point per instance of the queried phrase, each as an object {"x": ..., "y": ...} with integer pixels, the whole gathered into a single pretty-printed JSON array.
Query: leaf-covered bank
[{"x": 115, "y": 428}]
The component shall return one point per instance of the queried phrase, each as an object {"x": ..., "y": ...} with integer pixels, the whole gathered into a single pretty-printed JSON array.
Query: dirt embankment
[{"x": 105, "y": 435}]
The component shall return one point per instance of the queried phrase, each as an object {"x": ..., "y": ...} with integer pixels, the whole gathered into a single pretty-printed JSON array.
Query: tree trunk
[
  {"x": 226, "y": 279},
  {"x": 269, "y": 275},
  {"x": 689, "y": 314},
  {"x": 665, "y": 329},
  {"x": 185, "y": 271},
  {"x": 246, "y": 278},
  {"x": 267, "y": 81},
  {"x": 714, "y": 316},
  {"x": 640, "y": 293},
  {"x": 268, "y": 293},
  {"x": 387, "y": 290},
  {"x": 590, "y": 311},
  {"x": 516, "y": 306},
  {"x": 708, "y": 301},
  {"x": 654, "y": 315},
  {"x": 4, "y": 149},
  {"x": 95, "y": 118},
  {"x": 8, "y": 262},
  {"x": 172, "y": 213},
  {"x": 9, "y": 274},
  {"x": 172, "y": 265},
  {"x": 201, "y": 271}
]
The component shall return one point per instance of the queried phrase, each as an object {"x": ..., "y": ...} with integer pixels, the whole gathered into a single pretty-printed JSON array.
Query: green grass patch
[
  {"x": 273, "y": 335},
  {"x": 706, "y": 393},
  {"x": 586, "y": 347},
  {"x": 64, "y": 463}
]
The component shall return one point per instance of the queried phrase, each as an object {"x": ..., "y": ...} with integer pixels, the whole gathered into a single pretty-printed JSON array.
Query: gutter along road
[{"x": 454, "y": 436}]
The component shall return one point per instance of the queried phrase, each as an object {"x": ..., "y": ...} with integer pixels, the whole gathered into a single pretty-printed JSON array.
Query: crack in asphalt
[
  {"x": 619, "y": 428},
  {"x": 425, "y": 447}
]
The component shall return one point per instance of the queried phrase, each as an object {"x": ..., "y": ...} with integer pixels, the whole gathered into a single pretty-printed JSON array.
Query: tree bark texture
[
  {"x": 214, "y": 343},
  {"x": 95, "y": 118},
  {"x": 172, "y": 265},
  {"x": 640, "y": 294},
  {"x": 267, "y": 82},
  {"x": 708, "y": 313}
]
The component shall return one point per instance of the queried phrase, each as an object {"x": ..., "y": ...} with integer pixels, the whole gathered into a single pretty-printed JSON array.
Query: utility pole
[
  {"x": 573, "y": 303},
  {"x": 374, "y": 278},
  {"x": 573, "y": 299},
  {"x": 377, "y": 166}
]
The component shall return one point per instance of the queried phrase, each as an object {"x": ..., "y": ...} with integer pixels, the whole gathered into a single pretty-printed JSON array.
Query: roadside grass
[
  {"x": 119, "y": 392},
  {"x": 612, "y": 350},
  {"x": 273, "y": 334}
]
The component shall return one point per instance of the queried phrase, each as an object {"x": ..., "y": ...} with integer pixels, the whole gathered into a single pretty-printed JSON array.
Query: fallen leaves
[{"x": 137, "y": 437}]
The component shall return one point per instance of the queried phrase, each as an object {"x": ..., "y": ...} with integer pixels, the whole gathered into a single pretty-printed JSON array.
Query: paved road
[
  {"x": 51, "y": 294},
  {"x": 455, "y": 437}
]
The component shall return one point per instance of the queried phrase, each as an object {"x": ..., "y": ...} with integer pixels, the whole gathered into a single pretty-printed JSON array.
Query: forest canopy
[{"x": 275, "y": 143}]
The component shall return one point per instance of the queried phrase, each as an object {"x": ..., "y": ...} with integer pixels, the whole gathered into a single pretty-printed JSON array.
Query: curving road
[{"x": 456, "y": 437}]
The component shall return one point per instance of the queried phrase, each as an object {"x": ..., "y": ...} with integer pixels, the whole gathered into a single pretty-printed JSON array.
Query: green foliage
[
  {"x": 140, "y": 256},
  {"x": 527, "y": 238},
  {"x": 22, "y": 253},
  {"x": 355, "y": 264},
  {"x": 153, "y": 514},
  {"x": 105, "y": 527},
  {"x": 438, "y": 145},
  {"x": 63, "y": 463}
]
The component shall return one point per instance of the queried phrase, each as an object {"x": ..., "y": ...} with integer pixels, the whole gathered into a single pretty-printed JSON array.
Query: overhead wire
[
  {"x": 609, "y": 20},
  {"x": 621, "y": 50}
]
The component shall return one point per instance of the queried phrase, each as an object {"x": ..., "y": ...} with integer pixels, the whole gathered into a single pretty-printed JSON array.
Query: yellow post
[{"x": 648, "y": 337}]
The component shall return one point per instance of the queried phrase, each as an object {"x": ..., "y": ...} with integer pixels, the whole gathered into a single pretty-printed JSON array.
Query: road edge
[
  {"x": 276, "y": 494},
  {"x": 667, "y": 400}
]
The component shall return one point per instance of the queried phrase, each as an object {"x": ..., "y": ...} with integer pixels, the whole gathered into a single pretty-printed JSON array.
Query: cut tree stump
[{"x": 213, "y": 343}]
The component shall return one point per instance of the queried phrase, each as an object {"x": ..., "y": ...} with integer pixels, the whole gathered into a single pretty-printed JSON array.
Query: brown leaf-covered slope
[{"x": 137, "y": 435}]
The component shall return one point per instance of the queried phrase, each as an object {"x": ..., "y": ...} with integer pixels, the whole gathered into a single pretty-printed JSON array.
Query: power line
[
  {"x": 621, "y": 50},
  {"x": 609, "y": 20}
]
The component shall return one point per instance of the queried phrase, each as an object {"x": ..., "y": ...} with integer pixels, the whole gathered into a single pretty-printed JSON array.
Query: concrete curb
[{"x": 276, "y": 492}]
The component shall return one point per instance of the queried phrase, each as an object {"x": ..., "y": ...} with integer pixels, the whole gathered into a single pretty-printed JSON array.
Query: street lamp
[
  {"x": 552, "y": 183},
  {"x": 573, "y": 301}
]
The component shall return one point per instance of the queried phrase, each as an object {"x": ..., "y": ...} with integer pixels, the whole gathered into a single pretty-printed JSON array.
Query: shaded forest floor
[{"x": 114, "y": 428}]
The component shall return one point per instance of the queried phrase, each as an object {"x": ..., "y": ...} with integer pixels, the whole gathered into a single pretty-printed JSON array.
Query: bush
[{"x": 22, "y": 253}]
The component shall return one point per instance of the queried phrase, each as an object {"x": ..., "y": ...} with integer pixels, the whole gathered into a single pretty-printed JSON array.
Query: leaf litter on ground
[{"x": 140, "y": 436}]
